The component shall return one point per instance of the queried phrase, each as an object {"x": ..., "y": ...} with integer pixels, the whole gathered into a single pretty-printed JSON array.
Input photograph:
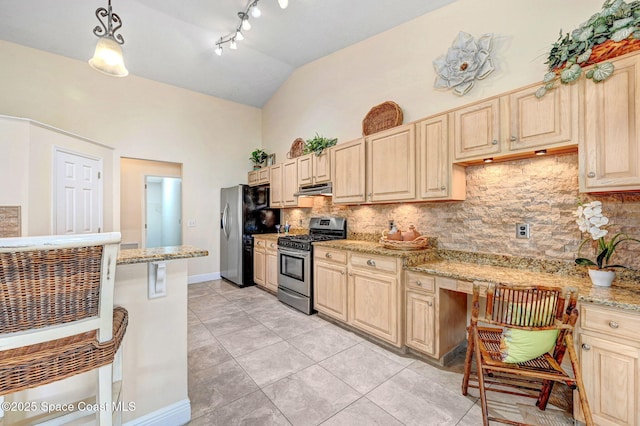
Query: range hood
[{"x": 320, "y": 189}]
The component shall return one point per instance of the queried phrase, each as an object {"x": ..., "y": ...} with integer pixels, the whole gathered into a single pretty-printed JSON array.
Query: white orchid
[{"x": 590, "y": 219}]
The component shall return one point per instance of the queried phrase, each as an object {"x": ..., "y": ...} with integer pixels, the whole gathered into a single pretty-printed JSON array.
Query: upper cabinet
[
  {"x": 275, "y": 179},
  {"x": 391, "y": 172},
  {"x": 515, "y": 123},
  {"x": 259, "y": 177},
  {"x": 284, "y": 184},
  {"x": 476, "y": 130},
  {"x": 609, "y": 153},
  {"x": 438, "y": 178},
  {"x": 348, "y": 172},
  {"x": 314, "y": 169}
]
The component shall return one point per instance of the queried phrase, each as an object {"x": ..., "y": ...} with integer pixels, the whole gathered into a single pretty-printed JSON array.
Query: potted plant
[
  {"x": 611, "y": 32},
  {"x": 590, "y": 219},
  {"x": 318, "y": 143},
  {"x": 258, "y": 157}
]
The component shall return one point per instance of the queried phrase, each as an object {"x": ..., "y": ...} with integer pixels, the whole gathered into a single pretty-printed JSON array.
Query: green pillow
[
  {"x": 517, "y": 345},
  {"x": 520, "y": 313}
]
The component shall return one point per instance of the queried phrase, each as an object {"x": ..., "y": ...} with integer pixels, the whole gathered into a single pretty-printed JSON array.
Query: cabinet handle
[
  {"x": 442, "y": 188},
  {"x": 371, "y": 262},
  {"x": 591, "y": 174},
  {"x": 494, "y": 142},
  {"x": 429, "y": 303},
  {"x": 342, "y": 272},
  {"x": 513, "y": 139},
  {"x": 586, "y": 347},
  {"x": 613, "y": 324},
  {"x": 328, "y": 255},
  {"x": 418, "y": 283}
]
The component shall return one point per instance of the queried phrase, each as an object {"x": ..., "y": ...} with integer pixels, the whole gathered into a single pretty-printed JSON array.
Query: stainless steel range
[{"x": 295, "y": 261}]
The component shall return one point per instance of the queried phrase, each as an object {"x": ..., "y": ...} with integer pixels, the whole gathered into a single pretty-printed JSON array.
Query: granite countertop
[
  {"x": 488, "y": 268},
  {"x": 131, "y": 256}
]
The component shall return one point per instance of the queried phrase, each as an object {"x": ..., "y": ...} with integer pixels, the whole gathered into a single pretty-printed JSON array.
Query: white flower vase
[{"x": 601, "y": 278}]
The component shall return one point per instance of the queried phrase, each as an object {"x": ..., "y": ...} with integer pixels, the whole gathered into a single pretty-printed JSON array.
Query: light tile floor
[{"x": 255, "y": 361}]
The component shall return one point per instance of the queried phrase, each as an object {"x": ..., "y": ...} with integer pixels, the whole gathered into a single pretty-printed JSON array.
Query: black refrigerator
[{"x": 244, "y": 211}]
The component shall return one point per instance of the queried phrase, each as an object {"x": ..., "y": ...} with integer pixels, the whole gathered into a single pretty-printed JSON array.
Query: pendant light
[{"x": 107, "y": 57}]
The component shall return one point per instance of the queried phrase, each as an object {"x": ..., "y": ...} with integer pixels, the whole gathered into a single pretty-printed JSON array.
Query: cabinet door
[
  {"x": 476, "y": 130},
  {"x": 275, "y": 184},
  {"x": 263, "y": 176},
  {"x": 322, "y": 167},
  {"x": 610, "y": 375},
  {"x": 547, "y": 122},
  {"x": 391, "y": 165},
  {"x": 271, "y": 269},
  {"x": 259, "y": 266},
  {"x": 253, "y": 178},
  {"x": 373, "y": 304},
  {"x": 610, "y": 153},
  {"x": 289, "y": 183},
  {"x": 305, "y": 170},
  {"x": 420, "y": 331},
  {"x": 348, "y": 171},
  {"x": 438, "y": 178},
  {"x": 330, "y": 289}
]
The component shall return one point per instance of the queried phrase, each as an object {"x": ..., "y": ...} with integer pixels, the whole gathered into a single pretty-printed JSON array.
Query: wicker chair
[
  {"x": 56, "y": 314},
  {"x": 525, "y": 308}
]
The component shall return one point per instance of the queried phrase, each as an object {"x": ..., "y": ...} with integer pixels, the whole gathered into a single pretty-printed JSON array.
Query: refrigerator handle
[{"x": 224, "y": 220}]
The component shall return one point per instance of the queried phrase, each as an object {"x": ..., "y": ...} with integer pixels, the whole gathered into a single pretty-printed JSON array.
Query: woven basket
[
  {"x": 608, "y": 50},
  {"x": 419, "y": 243},
  {"x": 381, "y": 117},
  {"x": 297, "y": 148}
]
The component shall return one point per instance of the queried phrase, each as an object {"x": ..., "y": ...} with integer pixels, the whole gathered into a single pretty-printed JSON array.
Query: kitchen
[{"x": 169, "y": 119}]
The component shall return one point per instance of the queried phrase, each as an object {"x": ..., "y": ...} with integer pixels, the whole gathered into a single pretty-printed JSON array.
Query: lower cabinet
[
  {"x": 421, "y": 317},
  {"x": 271, "y": 266},
  {"x": 609, "y": 351},
  {"x": 330, "y": 283},
  {"x": 259, "y": 262}
]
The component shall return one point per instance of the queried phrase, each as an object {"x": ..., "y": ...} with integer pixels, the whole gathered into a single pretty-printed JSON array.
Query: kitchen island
[{"x": 155, "y": 369}]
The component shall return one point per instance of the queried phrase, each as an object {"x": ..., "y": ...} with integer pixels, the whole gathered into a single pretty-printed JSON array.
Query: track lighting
[{"x": 243, "y": 25}]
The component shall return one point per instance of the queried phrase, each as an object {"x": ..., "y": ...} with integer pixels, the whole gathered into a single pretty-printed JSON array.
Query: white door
[{"x": 77, "y": 194}]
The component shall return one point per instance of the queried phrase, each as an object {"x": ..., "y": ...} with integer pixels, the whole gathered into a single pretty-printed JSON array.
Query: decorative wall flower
[{"x": 467, "y": 60}]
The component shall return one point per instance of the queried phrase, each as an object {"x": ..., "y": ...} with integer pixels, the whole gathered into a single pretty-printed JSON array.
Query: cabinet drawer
[
  {"x": 417, "y": 281},
  {"x": 610, "y": 322},
  {"x": 330, "y": 255},
  {"x": 373, "y": 262},
  {"x": 271, "y": 245},
  {"x": 259, "y": 243}
]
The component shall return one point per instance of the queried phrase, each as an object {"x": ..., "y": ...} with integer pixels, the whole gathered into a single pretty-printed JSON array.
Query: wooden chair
[
  {"x": 527, "y": 308},
  {"x": 56, "y": 314}
]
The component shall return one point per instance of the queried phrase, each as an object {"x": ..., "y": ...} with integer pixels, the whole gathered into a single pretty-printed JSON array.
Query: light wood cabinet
[
  {"x": 391, "y": 158},
  {"x": 609, "y": 350},
  {"x": 438, "y": 178},
  {"x": 314, "y": 169},
  {"x": 283, "y": 184},
  {"x": 258, "y": 177},
  {"x": 515, "y": 123},
  {"x": 476, "y": 130},
  {"x": 609, "y": 154},
  {"x": 374, "y": 296},
  {"x": 420, "y": 329},
  {"x": 259, "y": 262},
  {"x": 348, "y": 172},
  {"x": 330, "y": 283},
  {"x": 271, "y": 266}
]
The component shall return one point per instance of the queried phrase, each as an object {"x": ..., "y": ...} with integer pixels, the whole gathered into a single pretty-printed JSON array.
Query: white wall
[
  {"x": 333, "y": 94},
  {"x": 212, "y": 138}
]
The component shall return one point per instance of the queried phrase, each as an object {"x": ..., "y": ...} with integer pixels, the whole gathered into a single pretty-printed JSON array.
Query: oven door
[{"x": 294, "y": 270}]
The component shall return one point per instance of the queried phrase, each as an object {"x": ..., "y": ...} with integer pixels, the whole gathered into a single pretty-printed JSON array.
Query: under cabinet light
[
  {"x": 488, "y": 160},
  {"x": 541, "y": 152}
]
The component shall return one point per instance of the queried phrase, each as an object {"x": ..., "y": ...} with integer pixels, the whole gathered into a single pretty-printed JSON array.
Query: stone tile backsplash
[{"x": 541, "y": 191}]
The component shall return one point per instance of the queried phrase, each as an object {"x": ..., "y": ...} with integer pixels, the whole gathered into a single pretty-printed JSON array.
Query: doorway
[
  {"x": 150, "y": 203},
  {"x": 163, "y": 198}
]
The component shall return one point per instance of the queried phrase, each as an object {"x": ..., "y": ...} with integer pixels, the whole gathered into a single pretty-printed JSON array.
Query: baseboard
[
  {"x": 194, "y": 279},
  {"x": 178, "y": 413}
]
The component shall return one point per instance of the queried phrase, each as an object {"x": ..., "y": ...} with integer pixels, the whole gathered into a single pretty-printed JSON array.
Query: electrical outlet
[
  {"x": 191, "y": 223},
  {"x": 522, "y": 230}
]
